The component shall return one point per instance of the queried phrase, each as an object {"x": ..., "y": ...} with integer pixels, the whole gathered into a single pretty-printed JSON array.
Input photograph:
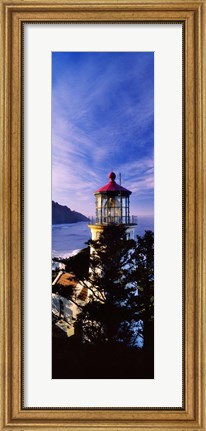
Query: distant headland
[{"x": 62, "y": 214}]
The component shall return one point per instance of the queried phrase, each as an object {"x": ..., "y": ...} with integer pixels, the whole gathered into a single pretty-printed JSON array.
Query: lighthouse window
[
  {"x": 98, "y": 201},
  {"x": 112, "y": 209},
  {"x": 117, "y": 201}
]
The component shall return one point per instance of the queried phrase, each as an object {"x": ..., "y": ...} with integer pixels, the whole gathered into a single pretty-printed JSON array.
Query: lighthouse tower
[{"x": 112, "y": 208}]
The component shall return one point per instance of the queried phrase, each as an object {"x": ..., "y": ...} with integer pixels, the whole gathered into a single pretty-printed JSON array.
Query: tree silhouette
[
  {"x": 119, "y": 309},
  {"x": 120, "y": 284},
  {"x": 108, "y": 316},
  {"x": 143, "y": 277}
]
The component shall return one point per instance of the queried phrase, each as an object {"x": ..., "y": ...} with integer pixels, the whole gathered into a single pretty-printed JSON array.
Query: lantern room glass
[{"x": 112, "y": 209}]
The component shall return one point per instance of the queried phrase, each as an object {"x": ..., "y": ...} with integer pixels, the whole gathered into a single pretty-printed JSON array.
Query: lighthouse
[{"x": 112, "y": 208}]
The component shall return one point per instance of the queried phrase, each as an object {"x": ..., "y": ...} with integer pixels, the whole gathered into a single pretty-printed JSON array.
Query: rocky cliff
[{"x": 63, "y": 214}]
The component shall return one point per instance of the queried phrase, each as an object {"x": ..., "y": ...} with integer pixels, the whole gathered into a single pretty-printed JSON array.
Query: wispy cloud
[{"x": 102, "y": 120}]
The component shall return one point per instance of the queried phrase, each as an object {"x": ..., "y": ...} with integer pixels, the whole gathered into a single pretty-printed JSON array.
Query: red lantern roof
[{"x": 112, "y": 186}]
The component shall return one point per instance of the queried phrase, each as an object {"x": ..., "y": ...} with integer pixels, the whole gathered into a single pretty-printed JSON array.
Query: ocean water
[{"x": 68, "y": 239}]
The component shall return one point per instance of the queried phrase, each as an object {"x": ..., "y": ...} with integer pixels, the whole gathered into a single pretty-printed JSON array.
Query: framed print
[{"x": 103, "y": 279}]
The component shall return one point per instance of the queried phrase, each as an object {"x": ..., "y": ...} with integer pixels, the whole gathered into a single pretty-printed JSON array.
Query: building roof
[
  {"x": 67, "y": 280},
  {"x": 112, "y": 186}
]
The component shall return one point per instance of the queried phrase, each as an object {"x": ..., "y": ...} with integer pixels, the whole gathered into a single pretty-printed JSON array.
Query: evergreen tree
[
  {"x": 144, "y": 279},
  {"x": 108, "y": 316}
]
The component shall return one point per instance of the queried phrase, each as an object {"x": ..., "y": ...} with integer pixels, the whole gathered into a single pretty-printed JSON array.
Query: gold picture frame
[{"x": 13, "y": 14}]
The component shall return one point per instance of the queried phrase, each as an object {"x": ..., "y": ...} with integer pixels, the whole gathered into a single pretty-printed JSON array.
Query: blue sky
[{"x": 102, "y": 120}]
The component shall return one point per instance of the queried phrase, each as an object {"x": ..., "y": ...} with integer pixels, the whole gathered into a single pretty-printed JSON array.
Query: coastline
[{"x": 69, "y": 239}]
